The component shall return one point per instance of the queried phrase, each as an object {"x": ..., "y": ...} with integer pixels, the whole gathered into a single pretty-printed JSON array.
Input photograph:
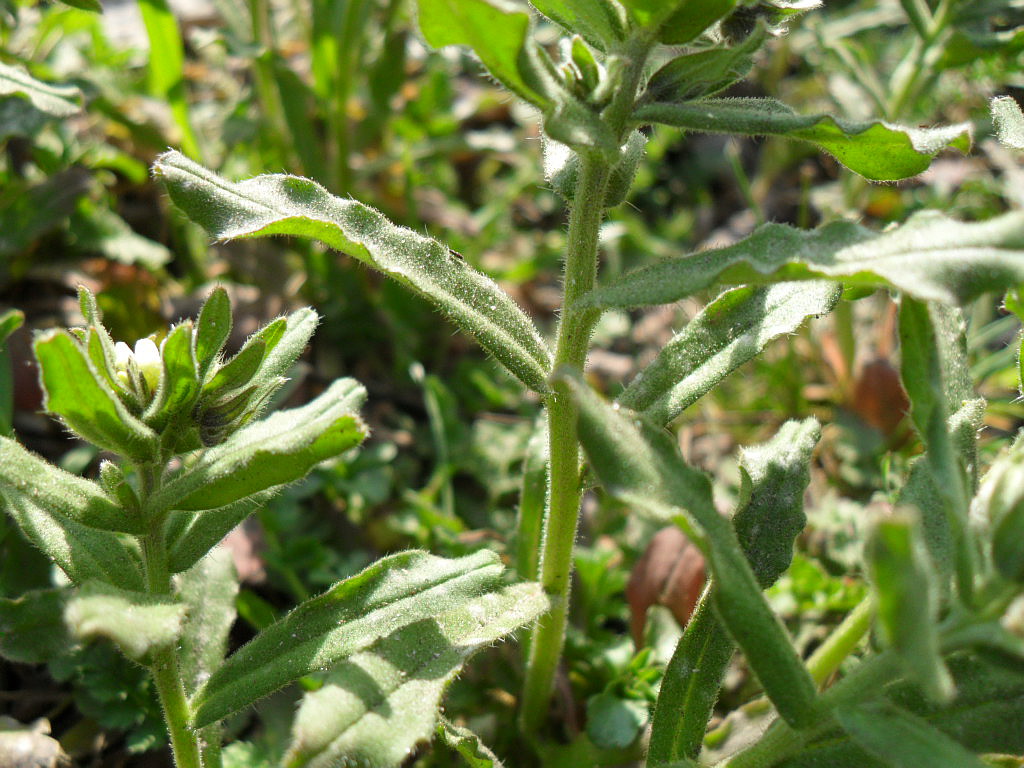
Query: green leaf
[
  {"x": 25, "y": 475},
  {"x": 599, "y": 22},
  {"x": 1009, "y": 120},
  {"x": 875, "y": 150},
  {"x": 55, "y": 100},
  {"x": 930, "y": 257},
  {"x": 237, "y": 371},
  {"x": 208, "y": 591},
  {"x": 532, "y": 502},
  {"x": 179, "y": 379},
  {"x": 289, "y": 205},
  {"x": 212, "y": 329},
  {"x": 613, "y": 722},
  {"x": 704, "y": 73},
  {"x": 381, "y": 700},
  {"x": 277, "y": 450},
  {"x": 907, "y": 601},
  {"x": 497, "y": 31},
  {"x": 32, "y": 629},
  {"x": 770, "y": 514},
  {"x": 10, "y": 321},
  {"x": 641, "y": 465},
  {"x": 691, "y": 17},
  {"x": 190, "y": 535},
  {"x": 82, "y": 552},
  {"x": 93, "y": 6},
  {"x": 473, "y": 751},
  {"x": 901, "y": 739},
  {"x": 731, "y": 330},
  {"x": 76, "y": 393},
  {"x": 136, "y": 622},
  {"x": 348, "y": 619}
]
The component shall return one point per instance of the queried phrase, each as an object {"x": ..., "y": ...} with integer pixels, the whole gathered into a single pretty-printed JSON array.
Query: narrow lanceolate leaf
[
  {"x": 179, "y": 379},
  {"x": 56, "y": 100},
  {"x": 641, "y": 464},
  {"x": 907, "y": 602},
  {"x": 23, "y": 474},
  {"x": 277, "y": 450},
  {"x": 901, "y": 739},
  {"x": 190, "y": 535},
  {"x": 875, "y": 150},
  {"x": 770, "y": 515},
  {"x": 378, "y": 703},
  {"x": 473, "y": 751},
  {"x": 208, "y": 591},
  {"x": 731, "y": 330},
  {"x": 931, "y": 257},
  {"x": 76, "y": 393},
  {"x": 212, "y": 329},
  {"x": 82, "y": 552},
  {"x": 136, "y": 622},
  {"x": 288, "y": 205},
  {"x": 351, "y": 617}
]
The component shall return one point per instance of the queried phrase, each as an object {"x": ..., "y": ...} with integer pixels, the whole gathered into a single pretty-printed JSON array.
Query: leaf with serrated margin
[
  {"x": 23, "y": 474},
  {"x": 731, "y": 330},
  {"x": 474, "y": 752},
  {"x": 380, "y": 701},
  {"x": 599, "y": 22},
  {"x": 901, "y": 739},
  {"x": 876, "y": 150},
  {"x": 56, "y": 100},
  {"x": 289, "y": 205},
  {"x": 190, "y": 535},
  {"x": 1009, "y": 120},
  {"x": 931, "y": 257},
  {"x": 82, "y": 552},
  {"x": 641, "y": 465},
  {"x": 277, "y": 450},
  {"x": 136, "y": 622},
  {"x": 76, "y": 392},
  {"x": 208, "y": 590},
  {"x": 770, "y": 515},
  {"x": 350, "y": 617}
]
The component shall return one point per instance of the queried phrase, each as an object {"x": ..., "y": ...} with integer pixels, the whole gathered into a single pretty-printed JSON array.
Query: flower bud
[{"x": 147, "y": 357}]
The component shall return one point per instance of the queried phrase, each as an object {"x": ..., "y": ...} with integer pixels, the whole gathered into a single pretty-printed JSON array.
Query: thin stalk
[
  {"x": 840, "y": 644},
  {"x": 164, "y": 664},
  {"x": 559, "y": 534}
]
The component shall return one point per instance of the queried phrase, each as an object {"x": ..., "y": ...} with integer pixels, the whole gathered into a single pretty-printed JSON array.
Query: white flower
[{"x": 146, "y": 357}]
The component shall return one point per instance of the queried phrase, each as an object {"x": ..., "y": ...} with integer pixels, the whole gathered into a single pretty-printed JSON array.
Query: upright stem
[
  {"x": 164, "y": 665},
  {"x": 571, "y": 351}
]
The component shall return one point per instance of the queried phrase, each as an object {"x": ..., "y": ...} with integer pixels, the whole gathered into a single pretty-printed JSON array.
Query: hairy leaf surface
[
  {"x": 56, "y": 100},
  {"x": 875, "y": 150},
  {"x": 288, "y": 205},
  {"x": 731, "y": 330},
  {"x": 378, "y": 703},
  {"x": 350, "y": 618},
  {"x": 931, "y": 257}
]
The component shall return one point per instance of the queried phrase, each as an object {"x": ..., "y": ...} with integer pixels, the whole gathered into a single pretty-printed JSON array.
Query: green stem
[
  {"x": 563, "y": 506},
  {"x": 164, "y": 664},
  {"x": 840, "y": 644}
]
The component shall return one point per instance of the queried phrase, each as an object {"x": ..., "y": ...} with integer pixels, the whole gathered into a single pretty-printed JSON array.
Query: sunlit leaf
[
  {"x": 474, "y": 752},
  {"x": 56, "y": 100}
]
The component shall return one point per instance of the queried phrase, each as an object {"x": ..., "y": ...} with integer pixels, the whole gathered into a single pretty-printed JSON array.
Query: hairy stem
[{"x": 164, "y": 665}]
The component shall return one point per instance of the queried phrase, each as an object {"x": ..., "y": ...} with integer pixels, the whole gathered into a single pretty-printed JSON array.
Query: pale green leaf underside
[
  {"x": 380, "y": 702},
  {"x": 731, "y": 330},
  {"x": 56, "y": 100},
  {"x": 136, "y": 622},
  {"x": 347, "y": 619},
  {"x": 930, "y": 257},
  {"x": 277, "y": 450},
  {"x": 288, "y": 205},
  {"x": 474, "y": 752},
  {"x": 875, "y": 150}
]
